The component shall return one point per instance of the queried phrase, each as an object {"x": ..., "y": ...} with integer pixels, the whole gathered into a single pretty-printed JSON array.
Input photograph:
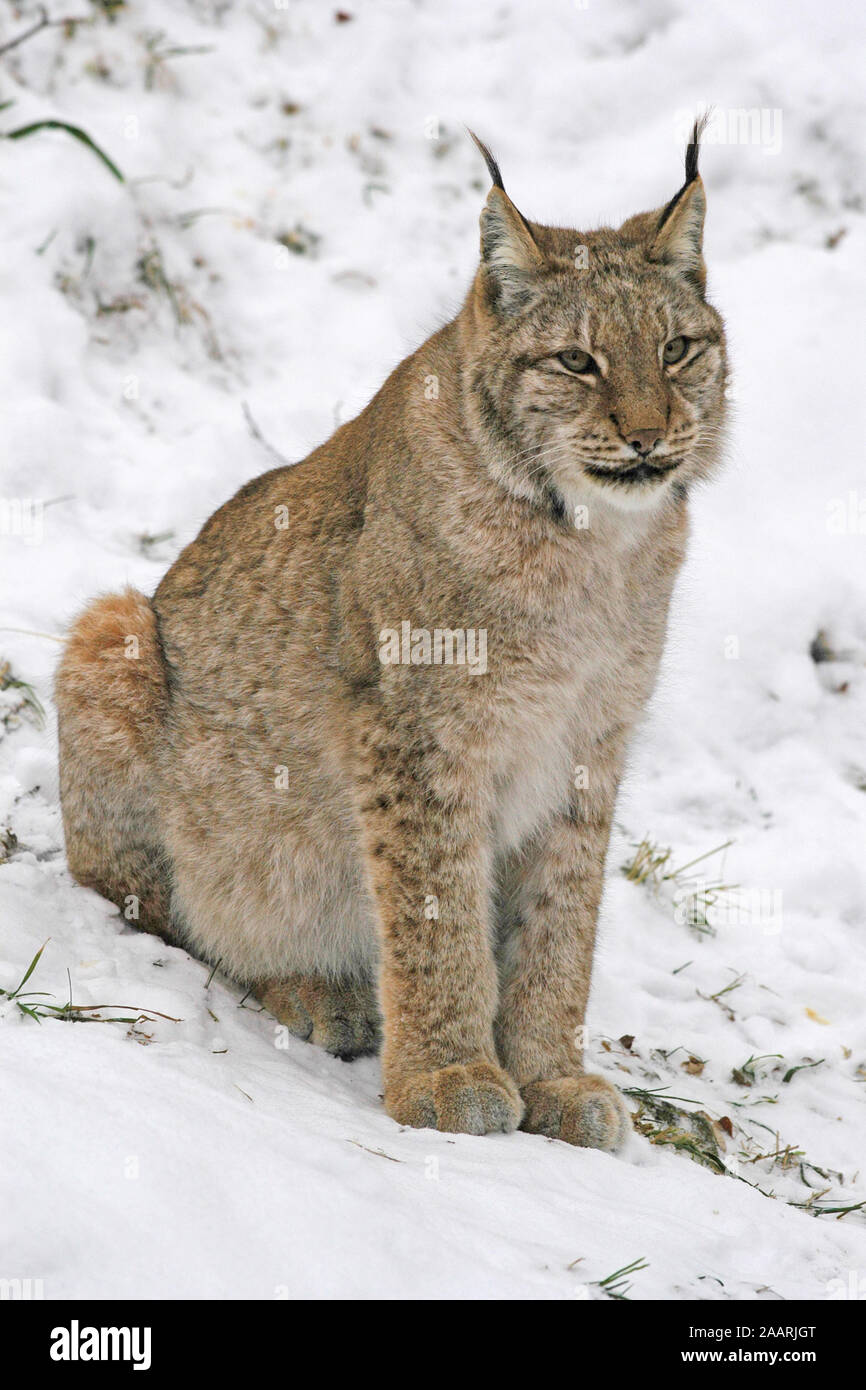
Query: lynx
[{"x": 377, "y": 841}]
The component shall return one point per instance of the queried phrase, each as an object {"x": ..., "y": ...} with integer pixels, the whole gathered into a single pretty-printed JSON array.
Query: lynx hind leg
[
  {"x": 342, "y": 1016},
  {"x": 111, "y": 699}
]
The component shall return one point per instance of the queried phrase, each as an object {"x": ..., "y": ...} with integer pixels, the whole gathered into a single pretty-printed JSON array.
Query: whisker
[
  {"x": 536, "y": 449},
  {"x": 551, "y": 459},
  {"x": 537, "y": 458}
]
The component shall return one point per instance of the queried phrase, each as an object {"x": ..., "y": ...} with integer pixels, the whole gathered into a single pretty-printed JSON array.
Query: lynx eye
[
  {"x": 579, "y": 362},
  {"x": 675, "y": 350}
]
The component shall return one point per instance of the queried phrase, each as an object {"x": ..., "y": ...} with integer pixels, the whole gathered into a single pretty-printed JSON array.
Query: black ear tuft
[
  {"x": 694, "y": 145},
  {"x": 492, "y": 166},
  {"x": 692, "y": 151}
]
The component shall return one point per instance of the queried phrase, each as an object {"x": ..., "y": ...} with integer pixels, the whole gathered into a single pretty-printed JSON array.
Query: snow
[{"x": 203, "y": 1154}]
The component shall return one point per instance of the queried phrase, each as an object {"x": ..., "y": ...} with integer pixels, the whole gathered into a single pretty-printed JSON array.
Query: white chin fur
[
  {"x": 642, "y": 497},
  {"x": 593, "y": 496}
]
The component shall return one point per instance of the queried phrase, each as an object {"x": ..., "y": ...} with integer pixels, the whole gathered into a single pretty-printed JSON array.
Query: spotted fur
[{"x": 418, "y": 841}]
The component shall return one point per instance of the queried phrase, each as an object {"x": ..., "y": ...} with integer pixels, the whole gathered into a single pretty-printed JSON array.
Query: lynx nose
[{"x": 644, "y": 440}]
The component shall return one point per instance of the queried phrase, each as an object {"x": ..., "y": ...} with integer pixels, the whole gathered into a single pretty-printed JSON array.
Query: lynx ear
[
  {"x": 509, "y": 254},
  {"x": 678, "y": 239}
]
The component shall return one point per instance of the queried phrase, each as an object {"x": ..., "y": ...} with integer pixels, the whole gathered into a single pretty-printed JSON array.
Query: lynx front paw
[
  {"x": 584, "y": 1110},
  {"x": 340, "y": 1016},
  {"x": 475, "y": 1098}
]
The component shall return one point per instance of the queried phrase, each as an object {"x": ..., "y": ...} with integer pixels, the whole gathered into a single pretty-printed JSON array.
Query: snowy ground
[{"x": 300, "y": 210}]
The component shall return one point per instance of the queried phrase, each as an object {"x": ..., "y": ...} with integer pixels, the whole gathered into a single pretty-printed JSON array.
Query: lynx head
[{"x": 596, "y": 367}]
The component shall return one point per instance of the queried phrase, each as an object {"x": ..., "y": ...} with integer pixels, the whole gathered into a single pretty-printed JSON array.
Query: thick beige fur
[{"x": 244, "y": 770}]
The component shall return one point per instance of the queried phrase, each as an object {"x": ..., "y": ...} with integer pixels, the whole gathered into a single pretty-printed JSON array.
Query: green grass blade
[
  {"x": 76, "y": 132},
  {"x": 29, "y": 971}
]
